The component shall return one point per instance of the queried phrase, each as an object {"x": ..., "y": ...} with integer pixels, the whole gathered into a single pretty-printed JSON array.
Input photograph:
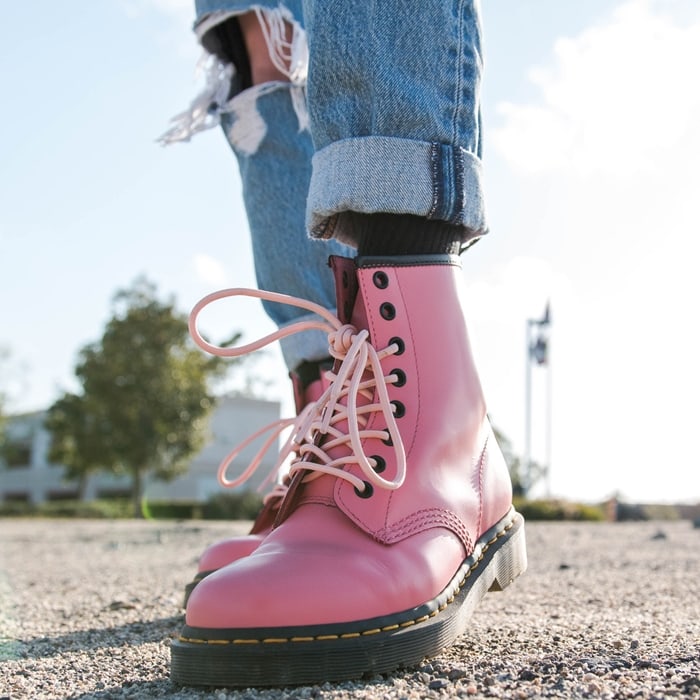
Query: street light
[{"x": 537, "y": 353}]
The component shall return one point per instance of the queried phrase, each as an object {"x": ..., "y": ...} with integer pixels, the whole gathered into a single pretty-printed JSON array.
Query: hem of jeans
[
  {"x": 308, "y": 346},
  {"x": 372, "y": 174}
]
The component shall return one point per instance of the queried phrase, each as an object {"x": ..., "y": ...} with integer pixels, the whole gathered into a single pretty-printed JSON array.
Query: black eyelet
[
  {"x": 398, "y": 342},
  {"x": 367, "y": 493},
  {"x": 388, "y": 441},
  {"x": 380, "y": 279},
  {"x": 400, "y": 377},
  {"x": 399, "y": 409},
  {"x": 387, "y": 311},
  {"x": 380, "y": 465},
  {"x": 346, "y": 279}
]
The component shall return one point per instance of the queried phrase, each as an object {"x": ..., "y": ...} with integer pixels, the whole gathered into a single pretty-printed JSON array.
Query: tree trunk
[
  {"x": 82, "y": 485},
  {"x": 137, "y": 492}
]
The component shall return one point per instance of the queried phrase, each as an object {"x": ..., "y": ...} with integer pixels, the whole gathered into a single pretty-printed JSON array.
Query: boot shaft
[{"x": 455, "y": 476}]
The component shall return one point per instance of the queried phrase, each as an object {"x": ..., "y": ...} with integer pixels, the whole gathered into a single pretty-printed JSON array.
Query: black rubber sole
[{"x": 287, "y": 656}]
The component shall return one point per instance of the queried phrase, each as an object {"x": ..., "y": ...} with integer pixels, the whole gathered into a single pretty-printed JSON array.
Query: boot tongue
[
  {"x": 350, "y": 310},
  {"x": 346, "y": 285},
  {"x": 311, "y": 390}
]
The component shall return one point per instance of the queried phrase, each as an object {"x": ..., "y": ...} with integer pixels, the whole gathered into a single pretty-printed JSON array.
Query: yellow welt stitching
[{"x": 354, "y": 635}]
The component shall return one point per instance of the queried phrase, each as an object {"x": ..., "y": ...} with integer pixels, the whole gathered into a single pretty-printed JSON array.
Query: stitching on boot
[
  {"x": 482, "y": 461},
  {"x": 431, "y": 517},
  {"x": 317, "y": 500}
]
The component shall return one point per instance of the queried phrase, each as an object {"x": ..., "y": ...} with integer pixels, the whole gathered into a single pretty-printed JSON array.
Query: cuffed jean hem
[
  {"x": 308, "y": 346},
  {"x": 373, "y": 174}
]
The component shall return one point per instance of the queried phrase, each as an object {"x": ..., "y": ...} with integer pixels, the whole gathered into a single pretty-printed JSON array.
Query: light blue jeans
[{"x": 381, "y": 114}]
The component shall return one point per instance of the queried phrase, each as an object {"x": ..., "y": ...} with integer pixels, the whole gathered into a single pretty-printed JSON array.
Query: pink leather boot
[
  {"x": 398, "y": 519},
  {"x": 229, "y": 550}
]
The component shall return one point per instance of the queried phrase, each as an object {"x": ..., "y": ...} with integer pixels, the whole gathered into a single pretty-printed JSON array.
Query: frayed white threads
[
  {"x": 290, "y": 57},
  {"x": 248, "y": 128},
  {"x": 205, "y": 110},
  {"x": 298, "y": 95}
]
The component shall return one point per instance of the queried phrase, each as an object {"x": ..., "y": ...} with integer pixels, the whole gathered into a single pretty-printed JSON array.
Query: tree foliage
[
  {"x": 146, "y": 391},
  {"x": 518, "y": 474},
  {"x": 77, "y": 437}
]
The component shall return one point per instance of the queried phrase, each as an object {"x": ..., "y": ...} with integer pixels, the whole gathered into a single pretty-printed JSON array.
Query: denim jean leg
[
  {"x": 267, "y": 129},
  {"x": 395, "y": 112},
  {"x": 274, "y": 157}
]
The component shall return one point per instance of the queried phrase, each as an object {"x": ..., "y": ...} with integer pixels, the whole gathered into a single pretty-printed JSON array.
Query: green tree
[
  {"x": 146, "y": 392},
  {"x": 78, "y": 437},
  {"x": 518, "y": 476}
]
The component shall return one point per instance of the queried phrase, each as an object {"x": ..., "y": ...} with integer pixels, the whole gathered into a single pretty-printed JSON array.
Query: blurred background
[{"x": 591, "y": 158}]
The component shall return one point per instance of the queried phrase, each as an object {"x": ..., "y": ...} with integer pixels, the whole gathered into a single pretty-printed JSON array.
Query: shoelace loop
[{"x": 315, "y": 431}]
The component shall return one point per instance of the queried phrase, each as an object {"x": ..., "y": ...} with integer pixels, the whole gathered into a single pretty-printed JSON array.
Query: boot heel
[{"x": 511, "y": 558}]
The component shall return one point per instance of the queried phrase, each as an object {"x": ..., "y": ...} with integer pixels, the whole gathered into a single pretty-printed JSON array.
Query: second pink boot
[{"x": 226, "y": 551}]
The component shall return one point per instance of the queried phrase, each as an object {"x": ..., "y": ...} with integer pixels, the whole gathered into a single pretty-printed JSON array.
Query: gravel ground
[{"x": 87, "y": 609}]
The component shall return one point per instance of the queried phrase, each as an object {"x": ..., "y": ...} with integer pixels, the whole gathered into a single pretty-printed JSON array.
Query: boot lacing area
[
  {"x": 341, "y": 416},
  {"x": 342, "y": 419}
]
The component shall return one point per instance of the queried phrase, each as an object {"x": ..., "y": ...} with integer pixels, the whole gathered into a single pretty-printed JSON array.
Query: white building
[{"x": 26, "y": 474}]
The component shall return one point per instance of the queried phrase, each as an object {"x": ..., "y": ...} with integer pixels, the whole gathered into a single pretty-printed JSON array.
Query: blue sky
[{"x": 591, "y": 113}]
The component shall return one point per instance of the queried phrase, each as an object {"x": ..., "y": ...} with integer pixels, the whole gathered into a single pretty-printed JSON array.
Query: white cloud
[
  {"x": 209, "y": 270},
  {"x": 617, "y": 100},
  {"x": 172, "y": 22},
  {"x": 516, "y": 289},
  {"x": 605, "y": 160},
  {"x": 181, "y": 11}
]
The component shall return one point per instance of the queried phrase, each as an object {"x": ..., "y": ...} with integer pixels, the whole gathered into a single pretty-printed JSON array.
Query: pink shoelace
[{"x": 357, "y": 390}]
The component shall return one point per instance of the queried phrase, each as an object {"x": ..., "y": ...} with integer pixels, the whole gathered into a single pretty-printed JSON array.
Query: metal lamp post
[{"x": 537, "y": 353}]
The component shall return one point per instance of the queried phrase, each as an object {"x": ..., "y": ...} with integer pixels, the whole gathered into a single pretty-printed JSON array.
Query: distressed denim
[
  {"x": 274, "y": 157},
  {"x": 393, "y": 124},
  {"x": 268, "y": 130}
]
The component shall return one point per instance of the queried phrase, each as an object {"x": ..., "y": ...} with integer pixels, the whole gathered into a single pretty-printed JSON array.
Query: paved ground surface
[{"x": 87, "y": 609}]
